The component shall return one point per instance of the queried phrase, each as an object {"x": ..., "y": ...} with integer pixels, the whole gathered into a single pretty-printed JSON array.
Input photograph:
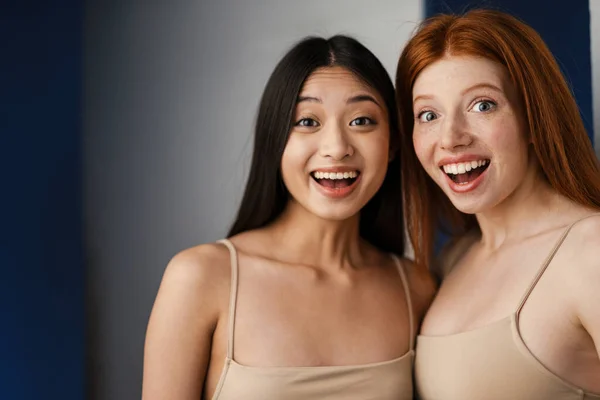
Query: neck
[
  {"x": 531, "y": 209},
  {"x": 308, "y": 239}
]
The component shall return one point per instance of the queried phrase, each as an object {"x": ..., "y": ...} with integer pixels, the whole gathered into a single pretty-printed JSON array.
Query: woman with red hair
[{"x": 495, "y": 153}]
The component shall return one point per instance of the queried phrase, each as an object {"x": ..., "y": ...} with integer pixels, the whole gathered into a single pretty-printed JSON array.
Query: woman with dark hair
[
  {"x": 308, "y": 297},
  {"x": 494, "y": 150}
]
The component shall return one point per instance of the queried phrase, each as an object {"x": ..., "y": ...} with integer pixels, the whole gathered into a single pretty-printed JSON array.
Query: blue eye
[
  {"x": 427, "y": 116},
  {"x": 483, "y": 106},
  {"x": 361, "y": 121},
  {"x": 307, "y": 123}
]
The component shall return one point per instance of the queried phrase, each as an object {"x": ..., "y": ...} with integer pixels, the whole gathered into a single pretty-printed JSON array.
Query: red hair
[{"x": 558, "y": 135}]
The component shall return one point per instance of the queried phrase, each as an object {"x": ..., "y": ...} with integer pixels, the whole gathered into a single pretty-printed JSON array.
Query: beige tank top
[
  {"x": 489, "y": 363},
  {"x": 387, "y": 380}
]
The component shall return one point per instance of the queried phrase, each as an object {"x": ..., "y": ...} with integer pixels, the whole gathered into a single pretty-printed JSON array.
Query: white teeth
[
  {"x": 335, "y": 175},
  {"x": 461, "y": 168}
]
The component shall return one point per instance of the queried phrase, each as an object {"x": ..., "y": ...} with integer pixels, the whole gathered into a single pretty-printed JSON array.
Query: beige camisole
[
  {"x": 387, "y": 380},
  {"x": 490, "y": 363}
]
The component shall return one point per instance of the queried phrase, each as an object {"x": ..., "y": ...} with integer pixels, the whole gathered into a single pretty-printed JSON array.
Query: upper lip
[
  {"x": 461, "y": 159},
  {"x": 335, "y": 169}
]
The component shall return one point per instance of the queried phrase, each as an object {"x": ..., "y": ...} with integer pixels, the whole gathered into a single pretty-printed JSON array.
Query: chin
[
  {"x": 331, "y": 211},
  {"x": 471, "y": 205},
  {"x": 467, "y": 209},
  {"x": 334, "y": 215}
]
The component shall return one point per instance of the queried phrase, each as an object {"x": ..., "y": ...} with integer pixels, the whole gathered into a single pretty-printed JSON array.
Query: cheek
[
  {"x": 295, "y": 156},
  {"x": 375, "y": 150},
  {"x": 382, "y": 147},
  {"x": 508, "y": 141},
  {"x": 423, "y": 146}
]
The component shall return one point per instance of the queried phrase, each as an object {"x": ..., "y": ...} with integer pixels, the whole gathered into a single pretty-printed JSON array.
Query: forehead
[
  {"x": 460, "y": 72},
  {"x": 329, "y": 80}
]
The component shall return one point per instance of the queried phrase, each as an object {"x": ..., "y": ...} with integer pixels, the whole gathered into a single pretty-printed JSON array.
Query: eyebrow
[
  {"x": 423, "y": 97},
  {"x": 482, "y": 86},
  {"x": 361, "y": 98},
  {"x": 308, "y": 98},
  {"x": 354, "y": 99},
  {"x": 467, "y": 90}
]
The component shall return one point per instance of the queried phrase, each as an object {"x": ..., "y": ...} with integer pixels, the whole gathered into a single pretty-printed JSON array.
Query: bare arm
[
  {"x": 587, "y": 286},
  {"x": 183, "y": 319}
]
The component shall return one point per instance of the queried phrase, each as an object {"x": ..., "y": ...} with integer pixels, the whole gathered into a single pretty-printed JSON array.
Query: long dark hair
[{"x": 265, "y": 197}]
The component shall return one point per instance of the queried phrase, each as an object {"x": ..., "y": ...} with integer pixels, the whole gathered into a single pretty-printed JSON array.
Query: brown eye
[
  {"x": 361, "y": 121},
  {"x": 307, "y": 123}
]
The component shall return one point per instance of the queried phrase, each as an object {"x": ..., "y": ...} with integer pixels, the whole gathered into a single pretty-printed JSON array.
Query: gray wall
[
  {"x": 171, "y": 94},
  {"x": 595, "y": 43}
]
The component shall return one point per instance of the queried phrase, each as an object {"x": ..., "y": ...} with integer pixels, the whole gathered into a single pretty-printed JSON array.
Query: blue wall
[
  {"x": 42, "y": 281},
  {"x": 564, "y": 26}
]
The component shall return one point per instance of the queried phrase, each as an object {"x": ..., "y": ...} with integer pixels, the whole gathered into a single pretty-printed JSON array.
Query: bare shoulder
[
  {"x": 583, "y": 273},
  {"x": 422, "y": 284},
  {"x": 194, "y": 282},
  {"x": 587, "y": 228},
  {"x": 190, "y": 301},
  {"x": 584, "y": 251},
  {"x": 584, "y": 244},
  {"x": 206, "y": 265}
]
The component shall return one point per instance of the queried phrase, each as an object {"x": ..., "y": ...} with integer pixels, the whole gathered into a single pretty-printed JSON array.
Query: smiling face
[
  {"x": 469, "y": 132},
  {"x": 337, "y": 153}
]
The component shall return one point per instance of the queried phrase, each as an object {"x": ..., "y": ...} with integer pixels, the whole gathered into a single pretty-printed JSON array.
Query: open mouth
[
  {"x": 335, "y": 180},
  {"x": 466, "y": 172}
]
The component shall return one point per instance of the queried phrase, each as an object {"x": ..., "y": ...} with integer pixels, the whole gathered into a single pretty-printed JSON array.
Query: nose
[
  {"x": 335, "y": 143},
  {"x": 455, "y": 132}
]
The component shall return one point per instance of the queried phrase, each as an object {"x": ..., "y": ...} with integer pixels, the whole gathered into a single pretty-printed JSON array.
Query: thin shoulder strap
[
  {"x": 548, "y": 261},
  {"x": 408, "y": 298},
  {"x": 232, "y": 296}
]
